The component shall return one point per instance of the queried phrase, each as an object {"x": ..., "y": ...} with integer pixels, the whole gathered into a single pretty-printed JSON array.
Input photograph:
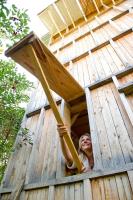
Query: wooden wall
[{"x": 99, "y": 56}]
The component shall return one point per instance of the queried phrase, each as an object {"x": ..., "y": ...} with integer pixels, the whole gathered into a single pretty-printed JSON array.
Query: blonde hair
[{"x": 81, "y": 153}]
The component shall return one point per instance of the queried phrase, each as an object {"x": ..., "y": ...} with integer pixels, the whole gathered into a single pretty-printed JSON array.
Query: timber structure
[{"x": 86, "y": 82}]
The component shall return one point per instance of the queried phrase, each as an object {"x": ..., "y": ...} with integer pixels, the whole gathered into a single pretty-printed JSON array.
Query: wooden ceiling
[{"x": 65, "y": 14}]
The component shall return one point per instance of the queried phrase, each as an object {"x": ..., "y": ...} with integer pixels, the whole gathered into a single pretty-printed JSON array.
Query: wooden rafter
[
  {"x": 68, "y": 13},
  {"x": 113, "y": 1},
  {"x": 80, "y": 7},
  {"x": 52, "y": 19},
  {"x": 95, "y": 4},
  {"x": 59, "y": 13},
  {"x": 104, "y": 5}
]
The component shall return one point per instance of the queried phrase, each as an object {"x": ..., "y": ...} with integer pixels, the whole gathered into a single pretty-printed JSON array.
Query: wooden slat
[
  {"x": 93, "y": 131},
  {"x": 51, "y": 193},
  {"x": 87, "y": 189},
  {"x": 130, "y": 176},
  {"x": 126, "y": 88}
]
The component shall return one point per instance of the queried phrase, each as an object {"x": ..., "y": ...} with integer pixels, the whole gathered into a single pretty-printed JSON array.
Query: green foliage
[
  {"x": 13, "y": 27},
  {"x": 12, "y": 93},
  {"x": 13, "y": 23}
]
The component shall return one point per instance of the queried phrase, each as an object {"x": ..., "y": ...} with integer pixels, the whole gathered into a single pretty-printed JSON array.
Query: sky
[{"x": 33, "y": 8}]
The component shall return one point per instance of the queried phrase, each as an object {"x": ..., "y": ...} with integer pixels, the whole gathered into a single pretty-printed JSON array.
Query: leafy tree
[
  {"x": 13, "y": 27},
  {"x": 12, "y": 92},
  {"x": 13, "y": 23}
]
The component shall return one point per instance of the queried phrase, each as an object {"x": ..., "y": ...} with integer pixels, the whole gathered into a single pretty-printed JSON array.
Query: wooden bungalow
[{"x": 86, "y": 81}]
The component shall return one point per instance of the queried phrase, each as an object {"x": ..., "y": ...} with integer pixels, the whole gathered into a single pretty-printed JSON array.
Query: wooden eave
[
  {"x": 71, "y": 12},
  {"x": 58, "y": 78}
]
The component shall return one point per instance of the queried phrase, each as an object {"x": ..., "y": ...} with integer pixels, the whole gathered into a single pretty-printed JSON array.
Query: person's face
[{"x": 86, "y": 143}]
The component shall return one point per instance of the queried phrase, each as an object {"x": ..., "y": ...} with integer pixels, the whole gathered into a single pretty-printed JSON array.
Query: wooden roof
[
  {"x": 62, "y": 13},
  {"x": 58, "y": 78}
]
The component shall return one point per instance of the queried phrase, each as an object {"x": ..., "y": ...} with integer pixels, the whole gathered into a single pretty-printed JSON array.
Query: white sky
[{"x": 33, "y": 8}]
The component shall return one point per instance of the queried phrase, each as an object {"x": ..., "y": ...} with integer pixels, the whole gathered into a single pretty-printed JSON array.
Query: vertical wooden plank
[
  {"x": 23, "y": 196},
  {"x": 93, "y": 73},
  {"x": 59, "y": 193},
  {"x": 120, "y": 54},
  {"x": 77, "y": 191},
  {"x": 72, "y": 191},
  {"x": 105, "y": 150},
  {"x": 113, "y": 187},
  {"x": 86, "y": 73},
  {"x": 87, "y": 189},
  {"x": 120, "y": 188},
  {"x": 34, "y": 171},
  {"x": 123, "y": 111},
  {"x": 122, "y": 134},
  {"x": 66, "y": 193},
  {"x": 117, "y": 156},
  {"x": 66, "y": 114},
  {"x": 93, "y": 130},
  {"x": 96, "y": 190},
  {"x": 47, "y": 156},
  {"x": 107, "y": 188},
  {"x": 51, "y": 193},
  {"x": 102, "y": 189},
  {"x": 52, "y": 153},
  {"x": 127, "y": 187},
  {"x": 130, "y": 176}
]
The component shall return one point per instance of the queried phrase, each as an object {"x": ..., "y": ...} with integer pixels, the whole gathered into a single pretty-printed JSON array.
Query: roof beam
[
  {"x": 104, "y": 5},
  {"x": 113, "y": 1},
  {"x": 52, "y": 19},
  {"x": 80, "y": 7},
  {"x": 96, "y": 6},
  {"x": 60, "y": 15},
  {"x": 68, "y": 13}
]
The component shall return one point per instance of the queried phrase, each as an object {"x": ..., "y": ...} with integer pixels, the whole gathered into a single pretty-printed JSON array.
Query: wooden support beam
[
  {"x": 54, "y": 107},
  {"x": 52, "y": 19},
  {"x": 95, "y": 4},
  {"x": 113, "y": 1},
  {"x": 126, "y": 88},
  {"x": 104, "y": 5},
  {"x": 17, "y": 190},
  {"x": 124, "y": 100},
  {"x": 68, "y": 13},
  {"x": 74, "y": 118},
  {"x": 80, "y": 7}
]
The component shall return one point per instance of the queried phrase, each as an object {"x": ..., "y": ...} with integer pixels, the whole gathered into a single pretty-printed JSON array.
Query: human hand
[{"x": 62, "y": 130}]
